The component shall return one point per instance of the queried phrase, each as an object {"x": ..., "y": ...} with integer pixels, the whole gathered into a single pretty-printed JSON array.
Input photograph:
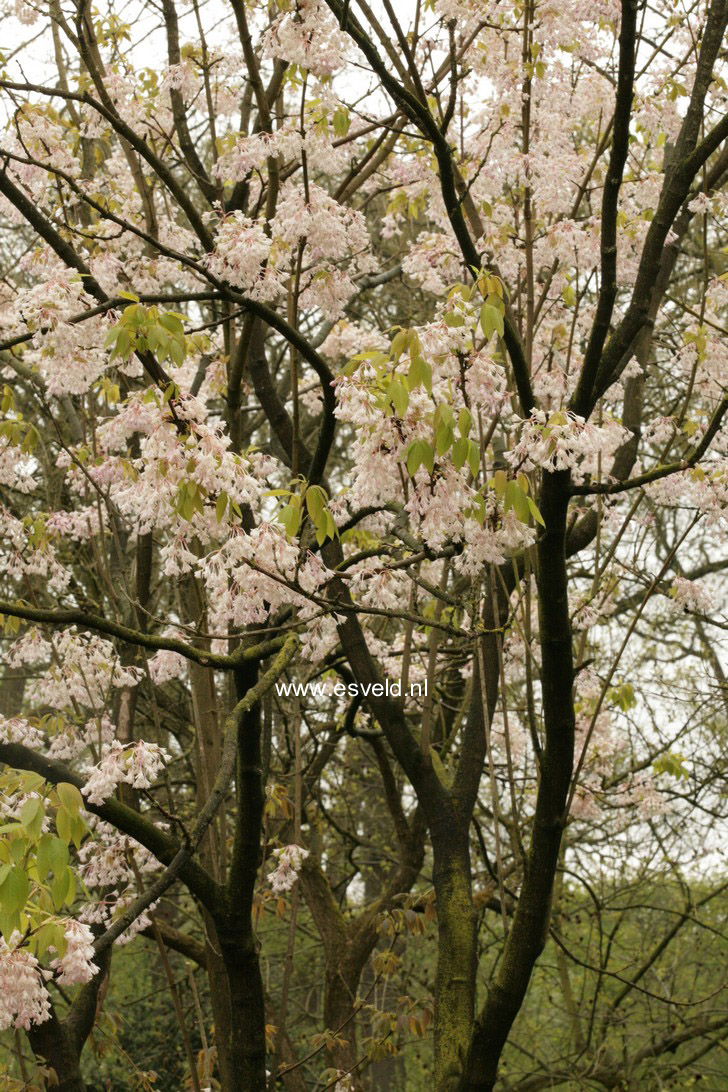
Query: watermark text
[{"x": 323, "y": 689}]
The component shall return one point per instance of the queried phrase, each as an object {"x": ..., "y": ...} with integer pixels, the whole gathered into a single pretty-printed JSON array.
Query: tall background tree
[{"x": 342, "y": 347}]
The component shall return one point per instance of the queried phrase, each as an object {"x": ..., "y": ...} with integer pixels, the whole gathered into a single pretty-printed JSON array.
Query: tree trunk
[
  {"x": 246, "y": 1040},
  {"x": 340, "y": 992},
  {"x": 60, "y": 1042},
  {"x": 51, "y": 1042},
  {"x": 217, "y": 979},
  {"x": 456, "y": 956},
  {"x": 530, "y": 925}
]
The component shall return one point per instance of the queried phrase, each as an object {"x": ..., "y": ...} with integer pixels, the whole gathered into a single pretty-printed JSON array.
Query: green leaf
[
  {"x": 172, "y": 322},
  {"x": 123, "y": 343},
  {"x": 220, "y": 505},
  {"x": 290, "y": 517},
  {"x": 79, "y": 830},
  {"x": 398, "y": 396},
  {"x": 443, "y": 438},
  {"x": 9, "y": 923},
  {"x": 8, "y": 399},
  {"x": 60, "y": 886},
  {"x": 534, "y": 510},
  {"x": 31, "y": 816},
  {"x": 672, "y": 764},
  {"x": 623, "y": 695},
  {"x": 177, "y": 352},
  {"x": 331, "y": 530},
  {"x": 70, "y": 896},
  {"x": 351, "y": 367},
  {"x": 399, "y": 344},
  {"x": 465, "y": 421},
  {"x": 341, "y": 122},
  {"x": 315, "y": 503},
  {"x": 63, "y": 824},
  {"x": 57, "y": 855},
  {"x": 416, "y": 373},
  {"x": 460, "y": 452},
  {"x": 473, "y": 457},
  {"x": 43, "y": 856},
  {"x": 18, "y": 847},
  {"x": 491, "y": 320},
  {"x": 70, "y": 798},
  {"x": 415, "y": 457},
  {"x": 516, "y": 499},
  {"x": 49, "y": 935},
  {"x": 499, "y": 482},
  {"x": 14, "y": 891}
]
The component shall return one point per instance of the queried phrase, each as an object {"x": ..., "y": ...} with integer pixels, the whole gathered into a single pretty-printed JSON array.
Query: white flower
[
  {"x": 700, "y": 203},
  {"x": 564, "y": 441},
  {"x": 309, "y": 37},
  {"x": 76, "y": 966},
  {"x": 289, "y": 858},
  {"x": 241, "y": 249},
  {"x": 136, "y": 765},
  {"x": 23, "y": 997},
  {"x": 17, "y": 730},
  {"x": 690, "y": 596},
  {"x": 166, "y": 665}
]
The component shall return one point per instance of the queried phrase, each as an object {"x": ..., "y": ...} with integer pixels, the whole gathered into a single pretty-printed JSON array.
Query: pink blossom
[
  {"x": 76, "y": 965},
  {"x": 289, "y": 860},
  {"x": 24, "y": 999},
  {"x": 136, "y": 764}
]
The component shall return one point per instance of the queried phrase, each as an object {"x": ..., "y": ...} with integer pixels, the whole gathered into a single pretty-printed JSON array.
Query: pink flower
[
  {"x": 136, "y": 765},
  {"x": 289, "y": 858},
  {"x": 23, "y": 997},
  {"x": 76, "y": 966}
]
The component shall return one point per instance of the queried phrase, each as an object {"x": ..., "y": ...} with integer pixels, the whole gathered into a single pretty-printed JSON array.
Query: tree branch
[{"x": 137, "y": 637}]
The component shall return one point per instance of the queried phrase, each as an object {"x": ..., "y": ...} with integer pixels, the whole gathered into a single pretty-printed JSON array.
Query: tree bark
[
  {"x": 456, "y": 954},
  {"x": 60, "y": 1042},
  {"x": 245, "y": 1038},
  {"x": 529, "y": 928},
  {"x": 51, "y": 1042}
]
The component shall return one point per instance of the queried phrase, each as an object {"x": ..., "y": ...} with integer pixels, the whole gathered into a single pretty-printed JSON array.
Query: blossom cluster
[
  {"x": 565, "y": 441},
  {"x": 76, "y": 965},
  {"x": 308, "y": 37},
  {"x": 24, "y": 998},
  {"x": 136, "y": 764},
  {"x": 289, "y": 860}
]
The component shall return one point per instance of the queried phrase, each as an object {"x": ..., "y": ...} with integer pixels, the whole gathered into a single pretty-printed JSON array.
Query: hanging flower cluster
[
  {"x": 289, "y": 860},
  {"x": 136, "y": 764}
]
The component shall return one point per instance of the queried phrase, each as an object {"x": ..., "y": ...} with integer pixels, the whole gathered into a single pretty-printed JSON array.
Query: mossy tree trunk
[
  {"x": 456, "y": 955},
  {"x": 529, "y": 928}
]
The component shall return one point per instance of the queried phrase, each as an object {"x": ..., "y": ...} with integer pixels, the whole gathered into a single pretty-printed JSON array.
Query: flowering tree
[{"x": 362, "y": 428}]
